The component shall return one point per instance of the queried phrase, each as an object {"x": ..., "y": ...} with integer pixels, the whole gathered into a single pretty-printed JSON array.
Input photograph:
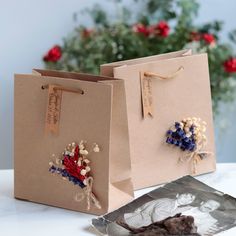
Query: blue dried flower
[{"x": 179, "y": 139}]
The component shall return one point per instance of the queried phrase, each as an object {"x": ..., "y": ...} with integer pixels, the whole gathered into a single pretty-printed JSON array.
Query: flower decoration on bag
[
  {"x": 73, "y": 165},
  {"x": 189, "y": 136}
]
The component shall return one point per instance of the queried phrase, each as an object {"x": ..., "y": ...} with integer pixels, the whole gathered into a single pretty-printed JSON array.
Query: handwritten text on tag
[
  {"x": 53, "y": 110},
  {"x": 146, "y": 93}
]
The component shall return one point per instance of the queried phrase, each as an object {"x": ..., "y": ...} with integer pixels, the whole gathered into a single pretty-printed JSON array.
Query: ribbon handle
[
  {"x": 146, "y": 88},
  {"x": 52, "y": 120},
  {"x": 164, "y": 77}
]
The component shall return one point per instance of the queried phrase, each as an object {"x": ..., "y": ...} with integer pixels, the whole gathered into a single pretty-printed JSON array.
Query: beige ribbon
[
  {"x": 53, "y": 112},
  {"x": 146, "y": 89},
  {"x": 164, "y": 77},
  {"x": 88, "y": 194}
]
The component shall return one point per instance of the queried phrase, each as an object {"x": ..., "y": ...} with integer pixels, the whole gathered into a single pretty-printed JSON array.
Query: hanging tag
[
  {"x": 53, "y": 110},
  {"x": 146, "y": 93}
]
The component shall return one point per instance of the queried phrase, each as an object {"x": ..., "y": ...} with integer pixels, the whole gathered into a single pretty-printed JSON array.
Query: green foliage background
[{"x": 113, "y": 39}]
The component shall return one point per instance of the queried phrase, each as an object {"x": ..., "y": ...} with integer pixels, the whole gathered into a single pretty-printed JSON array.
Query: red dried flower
[
  {"x": 208, "y": 38},
  {"x": 162, "y": 29},
  {"x": 76, "y": 153},
  {"x": 142, "y": 29},
  {"x": 72, "y": 168},
  {"x": 230, "y": 65},
  {"x": 53, "y": 55}
]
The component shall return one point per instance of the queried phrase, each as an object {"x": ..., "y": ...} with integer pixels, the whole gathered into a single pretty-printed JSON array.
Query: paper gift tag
[
  {"x": 53, "y": 110},
  {"x": 146, "y": 93}
]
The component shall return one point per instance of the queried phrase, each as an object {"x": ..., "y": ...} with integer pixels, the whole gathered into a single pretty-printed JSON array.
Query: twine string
[
  {"x": 88, "y": 194},
  {"x": 195, "y": 158},
  {"x": 164, "y": 77}
]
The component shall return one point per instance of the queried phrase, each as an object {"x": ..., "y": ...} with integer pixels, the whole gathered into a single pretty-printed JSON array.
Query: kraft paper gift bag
[
  {"x": 54, "y": 109},
  {"x": 162, "y": 90}
]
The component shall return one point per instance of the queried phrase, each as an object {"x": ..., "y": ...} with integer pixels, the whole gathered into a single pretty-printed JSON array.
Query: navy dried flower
[{"x": 186, "y": 134}]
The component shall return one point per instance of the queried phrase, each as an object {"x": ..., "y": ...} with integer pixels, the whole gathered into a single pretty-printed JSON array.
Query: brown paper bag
[
  {"x": 99, "y": 115},
  {"x": 168, "y": 99}
]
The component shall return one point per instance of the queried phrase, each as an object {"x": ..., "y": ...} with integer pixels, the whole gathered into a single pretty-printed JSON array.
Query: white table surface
[{"x": 21, "y": 218}]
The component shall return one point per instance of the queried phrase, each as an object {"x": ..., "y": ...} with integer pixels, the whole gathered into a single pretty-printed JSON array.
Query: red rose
[
  {"x": 208, "y": 38},
  {"x": 142, "y": 29},
  {"x": 195, "y": 36},
  {"x": 230, "y": 65},
  {"x": 53, "y": 55},
  {"x": 162, "y": 29}
]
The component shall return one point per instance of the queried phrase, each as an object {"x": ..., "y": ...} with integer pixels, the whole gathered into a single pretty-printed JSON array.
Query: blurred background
[{"x": 29, "y": 29}]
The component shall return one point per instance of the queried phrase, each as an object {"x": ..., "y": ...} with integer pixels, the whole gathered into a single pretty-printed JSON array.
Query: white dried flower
[
  {"x": 50, "y": 163},
  {"x": 81, "y": 145},
  {"x": 87, "y": 168},
  {"x": 85, "y": 182},
  {"x": 83, "y": 172},
  {"x": 96, "y": 148},
  {"x": 86, "y": 161},
  {"x": 83, "y": 152}
]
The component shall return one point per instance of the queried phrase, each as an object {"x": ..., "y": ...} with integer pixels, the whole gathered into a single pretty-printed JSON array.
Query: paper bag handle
[
  {"x": 54, "y": 105},
  {"x": 62, "y": 88},
  {"x": 146, "y": 88},
  {"x": 158, "y": 76}
]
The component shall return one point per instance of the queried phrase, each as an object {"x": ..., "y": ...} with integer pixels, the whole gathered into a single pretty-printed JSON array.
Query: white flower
[
  {"x": 81, "y": 145},
  {"x": 85, "y": 182},
  {"x": 86, "y": 161},
  {"x": 83, "y": 152},
  {"x": 83, "y": 172},
  {"x": 96, "y": 148},
  {"x": 87, "y": 168}
]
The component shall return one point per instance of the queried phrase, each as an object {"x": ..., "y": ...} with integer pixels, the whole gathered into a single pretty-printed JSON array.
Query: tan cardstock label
[
  {"x": 53, "y": 110},
  {"x": 146, "y": 93}
]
